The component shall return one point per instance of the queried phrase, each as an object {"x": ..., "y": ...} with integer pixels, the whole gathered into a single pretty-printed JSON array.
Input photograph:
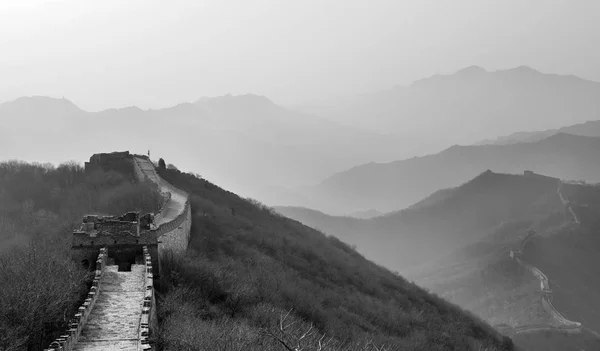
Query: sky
[{"x": 153, "y": 54}]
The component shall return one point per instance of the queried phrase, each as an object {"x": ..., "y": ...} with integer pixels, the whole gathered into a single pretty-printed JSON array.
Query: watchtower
[{"x": 124, "y": 236}]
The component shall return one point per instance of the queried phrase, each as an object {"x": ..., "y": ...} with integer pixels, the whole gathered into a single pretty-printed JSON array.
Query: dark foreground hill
[
  {"x": 396, "y": 185},
  {"x": 441, "y": 223},
  {"x": 255, "y": 280}
]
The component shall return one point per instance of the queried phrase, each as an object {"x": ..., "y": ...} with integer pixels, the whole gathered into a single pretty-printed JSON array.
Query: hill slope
[
  {"x": 412, "y": 236},
  {"x": 396, "y": 185},
  {"x": 247, "y": 266},
  {"x": 482, "y": 279}
]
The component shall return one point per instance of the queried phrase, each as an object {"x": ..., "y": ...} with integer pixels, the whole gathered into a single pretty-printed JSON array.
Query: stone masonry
[
  {"x": 114, "y": 321},
  {"x": 120, "y": 312}
]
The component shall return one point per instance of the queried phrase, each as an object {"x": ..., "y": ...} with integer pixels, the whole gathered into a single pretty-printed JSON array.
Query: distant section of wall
[
  {"x": 115, "y": 160},
  {"x": 67, "y": 341},
  {"x": 546, "y": 298},
  {"x": 175, "y": 235}
]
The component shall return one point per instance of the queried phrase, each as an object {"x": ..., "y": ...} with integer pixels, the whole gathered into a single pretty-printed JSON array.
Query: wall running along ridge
[
  {"x": 112, "y": 326},
  {"x": 562, "y": 324},
  {"x": 67, "y": 341},
  {"x": 175, "y": 218}
]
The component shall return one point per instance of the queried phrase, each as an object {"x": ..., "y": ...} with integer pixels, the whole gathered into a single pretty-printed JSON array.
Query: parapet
[
  {"x": 127, "y": 224},
  {"x": 127, "y": 229}
]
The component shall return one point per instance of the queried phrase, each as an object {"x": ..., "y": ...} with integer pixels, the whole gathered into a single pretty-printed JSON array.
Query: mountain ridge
[
  {"x": 405, "y": 238},
  {"x": 395, "y": 185},
  {"x": 231, "y": 131},
  {"x": 469, "y": 105}
]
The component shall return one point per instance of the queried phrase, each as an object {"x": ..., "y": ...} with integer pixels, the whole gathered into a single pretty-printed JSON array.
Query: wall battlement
[
  {"x": 148, "y": 319},
  {"x": 130, "y": 229},
  {"x": 129, "y": 238},
  {"x": 67, "y": 341}
]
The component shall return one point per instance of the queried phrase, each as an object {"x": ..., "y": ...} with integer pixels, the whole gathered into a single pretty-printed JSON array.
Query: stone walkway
[
  {"x": 114, "y": 321},
  {"x": 176, "y": 204}
]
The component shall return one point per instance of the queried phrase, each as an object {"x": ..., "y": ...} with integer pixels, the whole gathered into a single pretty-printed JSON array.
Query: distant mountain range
[
  {"x": 469, "y": 105},
  {"x": 589, "y": 128},
  {"x": 463, "y": 215},
  {"x": 277, "y": 155},
  {"x": 244, "y": 142},
  {"x": 396, "y": 185}
]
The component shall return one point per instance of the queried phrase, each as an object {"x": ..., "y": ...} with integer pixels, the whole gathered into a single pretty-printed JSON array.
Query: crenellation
[
  {"x": 148, "y": 317},
  {"x": 67, "y": 341},
  {"x": 135, "y": 243}
]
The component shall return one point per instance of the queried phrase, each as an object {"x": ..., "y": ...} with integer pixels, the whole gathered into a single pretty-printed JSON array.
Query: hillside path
[
  {"x": 176, "y": 204},
  {"x": 113, "y": 323}
]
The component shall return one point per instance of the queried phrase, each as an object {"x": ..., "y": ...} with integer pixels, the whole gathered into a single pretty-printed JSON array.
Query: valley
[
  {"x": 523, "y": 296},
  {"x": 343, "y": 175}
]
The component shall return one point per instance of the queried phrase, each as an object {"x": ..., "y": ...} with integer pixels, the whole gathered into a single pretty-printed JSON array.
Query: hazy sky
[{"x": 115, "y": 53}]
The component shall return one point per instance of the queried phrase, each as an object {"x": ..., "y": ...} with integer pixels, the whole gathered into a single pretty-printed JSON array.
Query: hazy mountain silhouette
[
  {"x": 365, "y": 214},
  {"x": 245, "y": 142},
  {"x": 425, "y": 232},
  {"x": 469, "y": 105},
  {"x": 396, "y": 185},
  {"x": 589, "y": 128}
]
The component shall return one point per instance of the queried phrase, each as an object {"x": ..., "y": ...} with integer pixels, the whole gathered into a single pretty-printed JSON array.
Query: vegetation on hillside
[
  {"x": 40, "y": 286},
  {"x": 484, "y": 280},
  {"x": 255, "y": 280},
  {"x": 403, "y": 239},
  {"x": 557, "y": 341}
]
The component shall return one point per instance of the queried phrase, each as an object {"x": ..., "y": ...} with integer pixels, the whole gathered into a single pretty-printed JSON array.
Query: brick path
[{"x": 114, "y": 321}]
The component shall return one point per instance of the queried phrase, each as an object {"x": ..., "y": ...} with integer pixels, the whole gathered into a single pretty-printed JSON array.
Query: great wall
[
  {"x": 560, "y": 323},
  {"x": 119, "y": 312}
]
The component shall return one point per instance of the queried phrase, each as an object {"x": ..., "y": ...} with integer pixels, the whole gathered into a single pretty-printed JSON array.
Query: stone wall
[
  {"x": 175, "y": 235},
  {"x": 83, "y": 240},
  {"x": 67, "y": 341},
  {"x": 118, "y": 160},
  {"x": 546, "y": 298},
  {"x": 148, "y": 320}
]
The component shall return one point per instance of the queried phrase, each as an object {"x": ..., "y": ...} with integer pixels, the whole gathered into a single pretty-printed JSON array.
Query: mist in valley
[{"x": 389, "y": 159}]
